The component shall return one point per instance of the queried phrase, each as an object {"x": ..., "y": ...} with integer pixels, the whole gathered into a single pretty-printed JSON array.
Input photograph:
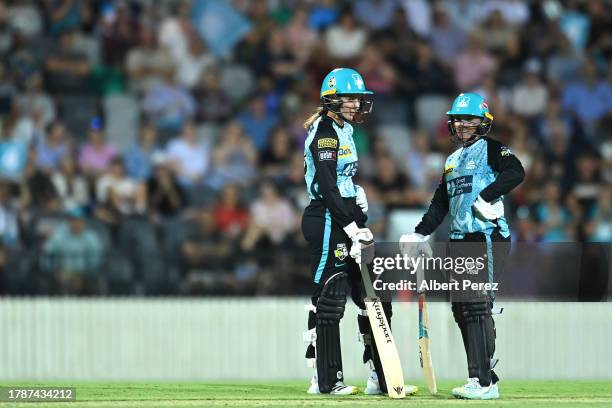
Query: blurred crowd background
[{"x": 156, "y": 147}]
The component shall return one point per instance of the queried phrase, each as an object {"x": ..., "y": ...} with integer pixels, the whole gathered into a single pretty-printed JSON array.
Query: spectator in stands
[
  {"x": 72, "y": 188},
  {"x": 231, "y": 217},
  {"x": 174, "y": 31},
  {"x": 119, "y": 194},
  {"x": 168, "y": 103},
  {"x": 499, "y": 38},
  {"x": 166, "y": 196},
  {"x": 67, "y": 67},
  {"x": 564, "y": 62},
  {"x": 257, "y": 122},
  {"x": 218, "y": 106},
  {"x": 138, "y": 158},
  {"x": 234, "y": 158},
  {"x": 446, "y": 38},
  {"x": 275, "y": 160},
  {"x": 473, "y": 65},
  {"x": 530, "y": 96},
  {"x": 74, "y": 253},
  {"x": 118, "y": 31},
  {"x": 381, "y": 75},
  {"x": 63, "y": 15},
  {"x": 204, "y": 249},
  {"x": 189, "y": 157},
  {"x": 35, "y": 102},
  {"x": 346, "y": 40},
  {"x": 300, "y": 37},
  {"x": 375, "y": 14},
  {"x": 554, "y": 219},
  {"x": 323, "y": 14},
  {"x": 52, "y": 150},
  {"x": 96, "y": 155},
  {"x": 589, "y": 98},
  {"x": 395, "y": 185},
  {"x": 194, "y": 62},
  {"x": 146, "y": 63},
  {"x": 273, "y": 220}
]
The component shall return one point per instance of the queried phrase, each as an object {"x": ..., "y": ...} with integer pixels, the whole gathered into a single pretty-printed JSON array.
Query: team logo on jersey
[
  {"x": 341, "y": 251},
  {"x": 449, "y": 169},
  {"x": 505, "y": 151},
  {"x": 471, "y": 165},
  {"x": 327, "y": 142},
  {"x": 345, "y": 151},
  {"x": 327, "y": 155}
]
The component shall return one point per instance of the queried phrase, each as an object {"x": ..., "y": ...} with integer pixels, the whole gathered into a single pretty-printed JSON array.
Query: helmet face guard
[
  {"x": 482, "y": 128},
  {"x": 333, "y": 103}
]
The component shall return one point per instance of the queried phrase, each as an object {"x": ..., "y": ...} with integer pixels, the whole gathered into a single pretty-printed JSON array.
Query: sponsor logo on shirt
[
  {"x": 327, "y": 155},
  {"x": 471, "y": 165},
  {"x": 327, "y": 142},
  {"x": 344, "y": 151},
  {"x": 505, "y": 151},
  {"x": 460, "y": 185}
]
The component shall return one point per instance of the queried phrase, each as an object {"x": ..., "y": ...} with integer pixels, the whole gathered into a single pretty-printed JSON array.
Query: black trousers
[{"x": 472, "y": 309}]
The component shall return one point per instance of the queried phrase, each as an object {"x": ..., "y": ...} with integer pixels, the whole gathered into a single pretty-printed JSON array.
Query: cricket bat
[
  {"x": 387, "y": 351},
  {"x": 424, "y": 351}
]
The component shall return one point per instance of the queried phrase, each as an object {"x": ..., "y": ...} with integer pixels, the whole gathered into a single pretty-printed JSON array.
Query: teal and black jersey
[
  {"x": 485, "y": 167},
  {"x": 330, "y": 161}
]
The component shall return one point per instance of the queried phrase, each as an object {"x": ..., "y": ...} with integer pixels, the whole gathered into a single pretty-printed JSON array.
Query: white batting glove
[
  {"x": 488, "y": 211},
  {"x": 414, "y": 245},
  {"x": 363, "y": 242},
  {"x": 361, "y": 199}
]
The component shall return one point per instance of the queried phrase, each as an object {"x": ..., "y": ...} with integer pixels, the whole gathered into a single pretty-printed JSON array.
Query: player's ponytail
[{"x": 319, "y": 112}]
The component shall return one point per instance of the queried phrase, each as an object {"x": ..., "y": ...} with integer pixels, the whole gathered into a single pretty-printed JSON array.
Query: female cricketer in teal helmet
[
  {"x": 334, "y": 227},
  {"x": 475, "y": 178}
]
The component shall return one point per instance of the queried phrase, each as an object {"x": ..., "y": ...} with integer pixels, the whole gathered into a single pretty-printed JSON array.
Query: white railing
[{"x": 260, "y": 339}]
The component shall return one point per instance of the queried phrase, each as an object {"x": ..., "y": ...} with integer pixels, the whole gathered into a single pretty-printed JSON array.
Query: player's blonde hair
[
  {"x": 321, "y": 111},
  {"x": 318, "y": 113}
]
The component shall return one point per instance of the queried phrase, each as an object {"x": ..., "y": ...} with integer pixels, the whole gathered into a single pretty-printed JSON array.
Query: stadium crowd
[{"x": 135, "y": 160}]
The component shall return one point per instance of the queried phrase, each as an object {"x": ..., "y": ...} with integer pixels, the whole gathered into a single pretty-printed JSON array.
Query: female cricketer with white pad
[
  {"x": 475, "y": 178},
  {"x": 334, "y": 226}
]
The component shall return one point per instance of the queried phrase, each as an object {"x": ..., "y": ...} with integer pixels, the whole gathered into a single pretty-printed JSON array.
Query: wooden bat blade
[
  {"x": 387, "y": 351},
  {"x": 424, "y": 352}
]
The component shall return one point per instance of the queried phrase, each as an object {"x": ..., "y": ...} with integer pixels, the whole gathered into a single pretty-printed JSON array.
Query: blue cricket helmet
[
  {"x": 470, "y": 105},
  {"x": 343, "y": 81}
]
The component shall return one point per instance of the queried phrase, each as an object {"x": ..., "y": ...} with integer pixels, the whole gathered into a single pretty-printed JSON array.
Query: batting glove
[
  {"x": 488, "y": 211},
  {"x": 361, "y": 199},
  {"x": 414, "y": 245},
  {"x": 362, "y": 248}
]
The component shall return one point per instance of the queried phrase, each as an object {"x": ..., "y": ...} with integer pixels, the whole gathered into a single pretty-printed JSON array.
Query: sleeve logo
[
  {"x": 505, "y": 151},
  {"x": 327, "y": 155},
  {"x": 327, "y": 142}
]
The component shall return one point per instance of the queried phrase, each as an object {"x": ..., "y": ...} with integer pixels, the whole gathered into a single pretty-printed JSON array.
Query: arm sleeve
[
  {"x": 324, "y": 149},
  {"x": 436, "y": 212},
  {"x": 509, "y": 168}
]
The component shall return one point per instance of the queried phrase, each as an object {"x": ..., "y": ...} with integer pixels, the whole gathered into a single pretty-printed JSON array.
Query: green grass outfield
[{"x": 292, "y": 394}]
